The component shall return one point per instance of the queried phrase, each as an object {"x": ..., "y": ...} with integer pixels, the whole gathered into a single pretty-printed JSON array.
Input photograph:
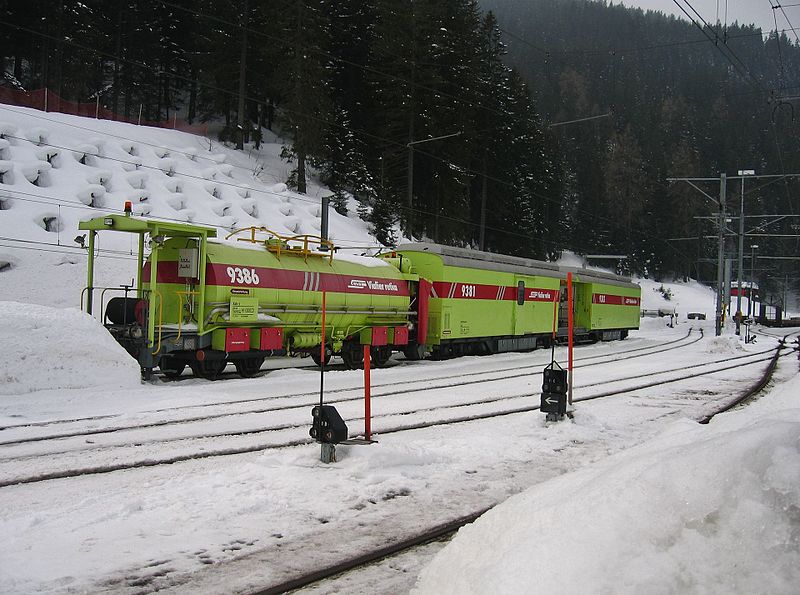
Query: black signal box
[
  {"x": 554, "y": 390},
  {"x": 327, "y": 426}
]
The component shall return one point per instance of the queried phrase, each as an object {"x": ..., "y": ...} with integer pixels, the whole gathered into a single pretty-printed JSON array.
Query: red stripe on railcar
[
  {"x": 608, "y": 299},
  {"x": 476, "y": 291},
  {"x": 225, "y": 275}
]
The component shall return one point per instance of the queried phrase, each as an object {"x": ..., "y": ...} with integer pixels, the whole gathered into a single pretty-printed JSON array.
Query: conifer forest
[{"x": 520, "y": 127}]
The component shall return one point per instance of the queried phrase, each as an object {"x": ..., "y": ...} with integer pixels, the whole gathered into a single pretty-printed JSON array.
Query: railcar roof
[
  {"x": 594, "y": 276},
  {"x": 475, "y": 259},
  {"x": 132, "y": 224}
]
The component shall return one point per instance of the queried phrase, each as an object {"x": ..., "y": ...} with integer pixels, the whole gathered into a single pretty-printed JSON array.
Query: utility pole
[
  {"x": 743, "y": 173},
  {"x": 721, "y": 216},
  {"x": 723, "y": 181},
  {"x": 751, "y": 306}
]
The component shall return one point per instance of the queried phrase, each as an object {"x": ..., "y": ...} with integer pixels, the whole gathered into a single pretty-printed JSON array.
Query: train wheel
[
  {"x": 317, "y": 359},
  {"x": 353, "y": 355},
  {"x": 171, "y": 367},
  {"x": 210, "y": 369},
  {"x": 248, "y": 367},
  {"x": 443, "y": 352},
  {"x": 380, "y": 356},
  {"x": 414, "y": 351}
]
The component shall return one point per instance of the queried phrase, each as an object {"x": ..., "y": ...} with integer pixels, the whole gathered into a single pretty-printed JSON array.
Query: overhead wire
[
  {"x": 774, "y": 128},
  {"x": 785, "y": 16},
  {"x": 727, "y": 53},
  {"x": 749, "y": 73}
]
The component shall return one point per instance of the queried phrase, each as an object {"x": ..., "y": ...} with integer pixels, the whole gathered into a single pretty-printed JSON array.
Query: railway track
[
  {"x": 399, "y": 363},
  {"x": 411, "y": 387},
  {"x": 601, "y": 359},
  {"x": 47, "y": 465},
  {"x": 446, "y": 530}
]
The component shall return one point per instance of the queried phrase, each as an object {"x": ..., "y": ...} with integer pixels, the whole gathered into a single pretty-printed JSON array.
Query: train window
[{"x": 521, "y": 293}]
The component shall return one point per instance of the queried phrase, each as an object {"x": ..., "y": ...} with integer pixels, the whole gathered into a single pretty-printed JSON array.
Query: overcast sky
[{"x": 744, "y": 11}]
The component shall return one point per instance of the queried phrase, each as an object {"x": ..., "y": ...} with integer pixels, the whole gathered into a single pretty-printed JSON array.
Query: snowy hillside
[{"x": 57, "y": 170}]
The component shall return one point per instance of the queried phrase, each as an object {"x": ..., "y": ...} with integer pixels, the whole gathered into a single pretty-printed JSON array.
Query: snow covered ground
[
  {"x": 630, "y": 484},
  {"x": 631, "y": 495},
  {"x": 697, "y": 509}
]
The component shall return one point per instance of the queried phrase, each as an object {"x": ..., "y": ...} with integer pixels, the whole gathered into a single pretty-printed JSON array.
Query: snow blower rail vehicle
[{"x": 204, "y": 302}]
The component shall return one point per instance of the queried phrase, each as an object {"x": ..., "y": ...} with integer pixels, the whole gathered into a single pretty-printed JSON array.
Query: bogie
[
  {"x": 315, "y": 355},
  {"x": 210, "y": 369},
  {"x": 248, "y": 366}
]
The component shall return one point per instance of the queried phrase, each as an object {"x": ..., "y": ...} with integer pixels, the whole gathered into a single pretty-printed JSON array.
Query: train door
[
  {"x": 522, "y": 315},
  {"x": 563, "y": 305},
  {"x": 447, "y": 312}
]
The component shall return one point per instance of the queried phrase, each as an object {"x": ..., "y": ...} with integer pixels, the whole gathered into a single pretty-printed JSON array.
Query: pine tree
[{"x": 306, "y": 94}]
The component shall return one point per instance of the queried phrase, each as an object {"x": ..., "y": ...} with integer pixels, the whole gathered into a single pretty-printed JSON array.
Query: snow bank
[
  {"x": 48, "y": 348},
  {"x": 678, "y": 296},
  {"x": 703, "y": 509},
  {"x": 724, "y": 345}
]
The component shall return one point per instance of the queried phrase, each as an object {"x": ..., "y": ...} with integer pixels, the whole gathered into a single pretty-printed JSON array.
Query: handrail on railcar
[{"x": 278, "y": 243}]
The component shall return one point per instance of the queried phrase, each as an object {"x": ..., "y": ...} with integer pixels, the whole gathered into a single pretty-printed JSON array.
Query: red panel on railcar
[
  {"x": 400, "y": 335},
  {"x": 271, "y": 338},
  {"x": 237, "y": 339},
  {"x": 380, "y": 336}
]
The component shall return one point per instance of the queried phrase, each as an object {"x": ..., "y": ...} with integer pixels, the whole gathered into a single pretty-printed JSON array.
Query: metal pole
[
  {"x": 326, "y": 203},
  {"x": 322, "y": 355},
  {"x": 727, "y": 288},
  {"x": 410, "y": 194},
  {"x": 740, "y": 278},
  {"x": 90, "y": 274},
  {"x": 569, "y": 336},
  {"x": 785, "y": 291},
  {"x": 723, "y": 180},
  {"x": 750, "y": 294},
  {"x": 367, "y": 404}
]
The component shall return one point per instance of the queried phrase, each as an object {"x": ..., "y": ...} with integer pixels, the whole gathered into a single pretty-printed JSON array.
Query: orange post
[
  {"x": 555, "y": 324},
  {"x": 322, "y": 355},
  {"x": 323, "y": 320},
  {"x": 570, "y": 324},
  {"x": 367, "y": 404}
]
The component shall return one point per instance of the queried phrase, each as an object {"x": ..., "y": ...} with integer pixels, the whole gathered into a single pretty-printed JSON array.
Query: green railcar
[
  {"x": 606, "y": 306},
  {"x": 204, "y": 302},
  {"x": 479, "y": 302}
]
